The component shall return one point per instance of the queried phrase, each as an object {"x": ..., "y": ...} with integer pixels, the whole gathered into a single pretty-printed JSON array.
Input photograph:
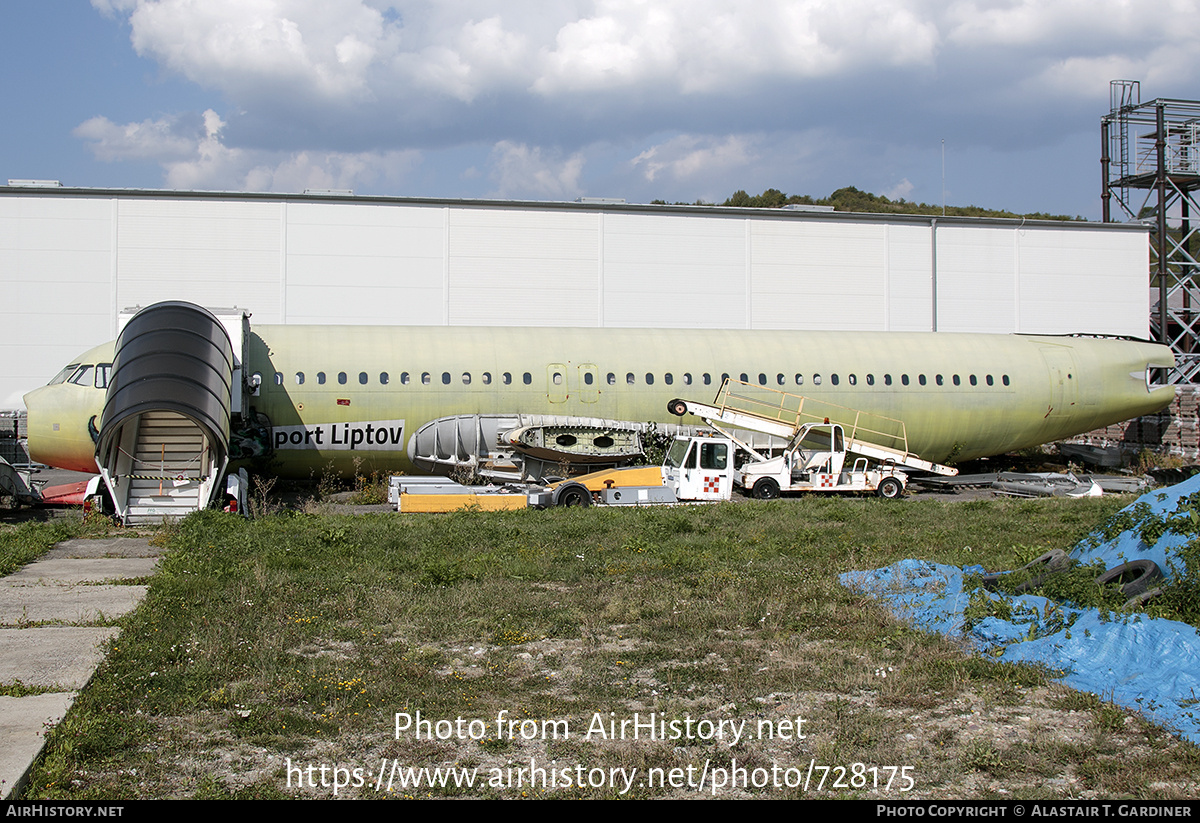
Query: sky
[{"x": 675, "y": 100}]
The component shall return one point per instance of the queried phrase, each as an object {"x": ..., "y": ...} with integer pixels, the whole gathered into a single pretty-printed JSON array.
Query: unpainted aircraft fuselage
[{"x": 351, "y": 397}]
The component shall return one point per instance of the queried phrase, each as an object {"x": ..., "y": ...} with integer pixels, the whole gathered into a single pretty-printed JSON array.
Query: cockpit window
[
  {"x": 102, "y": 371},
  {"x": 62, "y": 376},
  {"x": 83, "y": 375}
]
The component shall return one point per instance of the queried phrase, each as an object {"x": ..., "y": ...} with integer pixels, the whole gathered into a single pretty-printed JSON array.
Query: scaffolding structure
[{"x": 1150, "y": 161}]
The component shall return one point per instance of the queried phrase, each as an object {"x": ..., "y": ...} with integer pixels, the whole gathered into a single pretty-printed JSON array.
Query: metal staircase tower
[{"x": 1150, "y": 161}]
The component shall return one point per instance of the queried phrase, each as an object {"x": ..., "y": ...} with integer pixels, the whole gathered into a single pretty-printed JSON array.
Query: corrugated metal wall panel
[
  {"x": 910, "y": 279},
  {"x": 365, "y": 264},
  {"x": 674, "y": 272},
  {"x": 55, "y": 270},
  {"x": 522, "y": 268},
  {"x": 976, "y": 280},
  {"x": 210, "y": 252},
  {"x": 1085, "y": 275},
  {"x": 818, "y": 275},
  {"x": 412, "y": 262}
]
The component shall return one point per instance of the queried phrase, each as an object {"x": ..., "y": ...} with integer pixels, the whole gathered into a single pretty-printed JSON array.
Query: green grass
[{"x": 301, "y": 636}]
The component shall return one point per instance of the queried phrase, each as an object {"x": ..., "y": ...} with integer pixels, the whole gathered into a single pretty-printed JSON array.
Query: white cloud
[
  {"x": 523, "y": 171},
  {"x": 332, "y": 93},
  {"x": 900, "y": 191},
  {"x": 164, "y": 140},
  {"x": 194, "y": 156},
  {"x": 690, "y": 155}
]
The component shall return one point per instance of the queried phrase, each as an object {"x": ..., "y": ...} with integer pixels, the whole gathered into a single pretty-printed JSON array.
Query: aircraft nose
[{"x": 58, "y": 430}]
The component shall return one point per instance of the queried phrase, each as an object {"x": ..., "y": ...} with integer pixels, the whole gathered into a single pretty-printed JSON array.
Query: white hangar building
[{"x": 73, "y": 259}]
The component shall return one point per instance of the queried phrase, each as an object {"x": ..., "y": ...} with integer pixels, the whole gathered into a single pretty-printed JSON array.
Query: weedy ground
[{"x": 295, "y": 639}]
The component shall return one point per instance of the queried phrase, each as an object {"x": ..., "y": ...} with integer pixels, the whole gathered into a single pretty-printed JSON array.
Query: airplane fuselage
[{"x": 350, "y": 397}]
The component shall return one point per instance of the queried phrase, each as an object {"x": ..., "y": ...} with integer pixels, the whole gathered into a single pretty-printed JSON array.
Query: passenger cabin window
[
  {"x": 426, "y": 379},
  {"x": 745, "y": 378},
  {"x": 320, "y": 378},
  {"x": 527, "y": 378},
  {"x": 799, "y": 380},
  {"x": 870, "y": 380},
  {"x": 816, "y": 379},
  {"x": 588, "y": 379},
  {"x": 405, "y": 377},
  {"x": 1004, "y": 379},
  {"x": 649, "y": 379},
  {"x": 707, "y": 379},
  {"x": 278, "y": 378},
  {"x": 956, "y": 380},
  {"x": 362, "y": 378},
  {"x": 904, "y": 380},
  {"x": 383, "y": 378},
  {"x": 466, "y": 378},
  {"x": 687, "y": 379},
  {"x": 612, "y": 379},
  {"x": 887, "y": 380},
  {"x": 507, "y": 379},
  {"x": 974, "y": 381},
  {"x": 762, "y": 379},
  {"x": 668, "y": 379},
  {"x": 780, "y": 379},
  {"x": 341, "y": 378},
  {"x": 921, "y": 379},
  {"x": 989, "y": 380},
  {"x": 630, "y": 379},
  {"x": 299, "y": 378},
  {"x": 486, "y": 378},
  {"x": 833, "y": 378},
  {"x": 445, "y": 378}
]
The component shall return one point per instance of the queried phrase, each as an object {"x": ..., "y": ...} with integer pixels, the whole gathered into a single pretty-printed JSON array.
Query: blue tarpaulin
[{"x": 1143, "y": 663}]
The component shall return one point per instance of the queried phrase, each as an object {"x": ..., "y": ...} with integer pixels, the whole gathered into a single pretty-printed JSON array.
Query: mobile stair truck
[{"x": 819, "y": 436}]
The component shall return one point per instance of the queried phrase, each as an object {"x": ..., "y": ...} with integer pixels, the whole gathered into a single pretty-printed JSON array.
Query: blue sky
[{"x": 669, "y": 99}]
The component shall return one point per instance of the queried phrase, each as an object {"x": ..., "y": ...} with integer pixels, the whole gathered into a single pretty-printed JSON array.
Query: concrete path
[{"x": 55, "y": 618}]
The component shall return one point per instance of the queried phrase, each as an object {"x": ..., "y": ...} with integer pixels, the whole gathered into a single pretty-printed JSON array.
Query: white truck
[{"x": 814, "y": 458}]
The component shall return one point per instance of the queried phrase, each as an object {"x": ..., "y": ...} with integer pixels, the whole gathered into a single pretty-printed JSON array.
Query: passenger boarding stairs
[
  {"x": 168, "y": 474},
  {"x": 760, "y": 408},
  {"x": 163, "y": 443}
]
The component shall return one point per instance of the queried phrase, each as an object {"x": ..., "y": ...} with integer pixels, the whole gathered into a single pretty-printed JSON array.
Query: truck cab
[{"x": 700, "y": 468}]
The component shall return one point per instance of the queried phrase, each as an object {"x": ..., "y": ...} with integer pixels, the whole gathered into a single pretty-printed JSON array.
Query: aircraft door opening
[
  {"x": 556, "y": 383},
  {"x": 1063, "y": 387}
]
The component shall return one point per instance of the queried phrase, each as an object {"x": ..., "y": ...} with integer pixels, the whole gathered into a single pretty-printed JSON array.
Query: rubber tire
[
  {"x": 766, "y": 489},
  {"x": 890, "y": 489},
  {"x": 677, "y": 408},
  {"x": 1142, "y": 599},
  {"x": 1139, "y": 575},
  {"x": 1055, "y": 560},
  {"x": 575, "y": 496}
]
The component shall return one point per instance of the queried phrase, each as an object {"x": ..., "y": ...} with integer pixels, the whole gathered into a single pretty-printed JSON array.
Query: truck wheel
[
  {"x": 766, "y": 489},
  {"x": 677, "y": 408},
  {"x": 890, "y": 488},
  {"x": 575, "y": 496}
]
